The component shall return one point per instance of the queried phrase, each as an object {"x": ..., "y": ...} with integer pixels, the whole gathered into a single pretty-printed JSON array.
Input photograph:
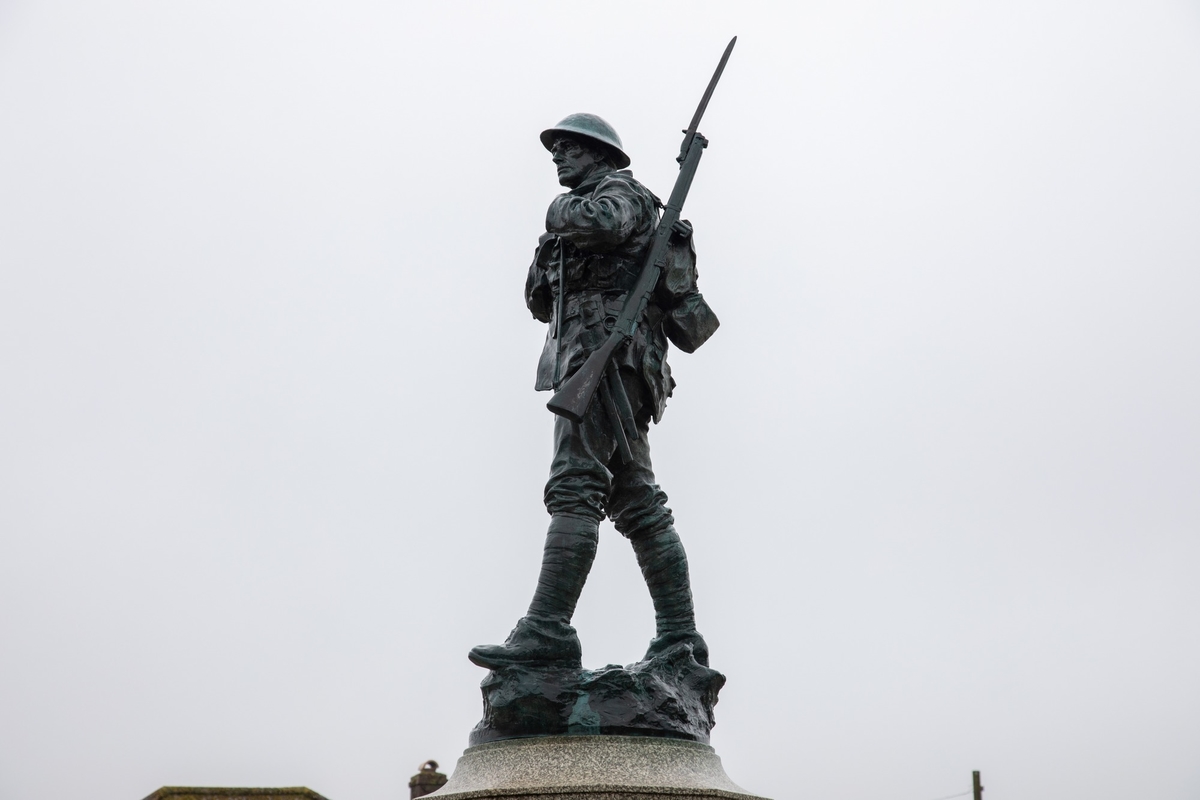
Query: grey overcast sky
[{"x": 271, "y": 461}]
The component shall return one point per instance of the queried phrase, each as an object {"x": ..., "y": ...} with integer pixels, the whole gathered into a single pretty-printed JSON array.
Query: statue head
[
  {"x": 576, "y": 160},
  {"x": 582, "y": 143}
]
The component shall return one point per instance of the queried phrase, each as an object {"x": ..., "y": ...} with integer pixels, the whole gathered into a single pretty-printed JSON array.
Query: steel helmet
[{"x": 590, "y": 128}]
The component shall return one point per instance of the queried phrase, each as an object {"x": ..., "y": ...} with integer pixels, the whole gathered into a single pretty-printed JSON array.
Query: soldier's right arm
[{"x": 600, "y": 222}]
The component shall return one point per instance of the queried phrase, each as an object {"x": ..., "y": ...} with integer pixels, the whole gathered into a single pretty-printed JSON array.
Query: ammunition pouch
[{"x": 592, "y": 315}]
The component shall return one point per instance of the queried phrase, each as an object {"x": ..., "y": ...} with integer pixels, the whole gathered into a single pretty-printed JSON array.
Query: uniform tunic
[{"x": 597, "y": 236}]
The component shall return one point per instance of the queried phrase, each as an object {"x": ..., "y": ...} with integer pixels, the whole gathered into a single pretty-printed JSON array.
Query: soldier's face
[{"x": 573, "y": 161}]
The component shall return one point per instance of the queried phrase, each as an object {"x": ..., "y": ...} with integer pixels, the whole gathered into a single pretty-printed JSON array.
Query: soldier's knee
[
  {"x": 575, "y": 498},
  {"x": 642, "y": 513}
]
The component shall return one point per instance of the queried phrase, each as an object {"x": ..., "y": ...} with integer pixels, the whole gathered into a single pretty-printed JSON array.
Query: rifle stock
[{"x": 574, "y": 397}]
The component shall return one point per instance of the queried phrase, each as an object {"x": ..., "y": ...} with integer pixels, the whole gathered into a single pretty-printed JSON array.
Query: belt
[{"x": 583, "y": 302}]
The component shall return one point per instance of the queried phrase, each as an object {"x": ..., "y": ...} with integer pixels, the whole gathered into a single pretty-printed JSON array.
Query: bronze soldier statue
[{"x": 586, "y": 265}]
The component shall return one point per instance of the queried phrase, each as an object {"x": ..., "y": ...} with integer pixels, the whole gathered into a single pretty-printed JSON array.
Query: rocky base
[
  {"x": 591, "y": 768},
  {"x": 668, "y": 696}
]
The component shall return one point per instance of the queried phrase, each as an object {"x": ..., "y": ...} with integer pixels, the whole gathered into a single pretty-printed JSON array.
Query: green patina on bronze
[{"x": 616, "y": 283}]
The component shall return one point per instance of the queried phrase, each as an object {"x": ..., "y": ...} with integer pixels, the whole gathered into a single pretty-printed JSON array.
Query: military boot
[
  {"x": 544, "y": 636},
  {"x": 664, "y": 566}
]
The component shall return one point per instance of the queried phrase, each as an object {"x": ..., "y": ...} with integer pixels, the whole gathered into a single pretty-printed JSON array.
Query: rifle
[{"x": 574, "y": 397}]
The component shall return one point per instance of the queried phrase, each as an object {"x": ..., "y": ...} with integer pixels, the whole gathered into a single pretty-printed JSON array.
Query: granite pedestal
[{"x": 591, "y": 768}]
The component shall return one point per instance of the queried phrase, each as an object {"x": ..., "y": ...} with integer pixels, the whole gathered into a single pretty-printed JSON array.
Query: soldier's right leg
[{"x": 575, "y": 496}]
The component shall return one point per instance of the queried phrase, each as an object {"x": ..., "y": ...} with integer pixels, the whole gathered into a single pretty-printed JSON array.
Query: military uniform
[{"x": 597, "y": 235}]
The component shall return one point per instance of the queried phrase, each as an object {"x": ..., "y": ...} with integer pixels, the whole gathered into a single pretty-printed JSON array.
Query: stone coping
[
  {"x": 591, "y": 767},
  {"x": 233, "y": 793}
]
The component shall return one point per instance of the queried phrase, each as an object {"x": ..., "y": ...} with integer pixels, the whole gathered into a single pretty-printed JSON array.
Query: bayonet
[{"x": 690, "y": 133}]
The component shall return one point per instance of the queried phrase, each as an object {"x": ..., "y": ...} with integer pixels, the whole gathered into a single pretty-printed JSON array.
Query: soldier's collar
[{"x": 592, "y": 181}]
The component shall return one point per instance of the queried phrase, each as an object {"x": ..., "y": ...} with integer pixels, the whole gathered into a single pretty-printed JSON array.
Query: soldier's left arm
[{"x": 688, "y": 320}]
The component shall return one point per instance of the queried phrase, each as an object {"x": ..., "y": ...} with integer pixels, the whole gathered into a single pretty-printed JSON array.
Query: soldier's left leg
[{"x": 638, "y": 509}]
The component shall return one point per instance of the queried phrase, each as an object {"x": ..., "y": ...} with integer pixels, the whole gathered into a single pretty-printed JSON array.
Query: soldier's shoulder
[{"x": 623, "y": 179}]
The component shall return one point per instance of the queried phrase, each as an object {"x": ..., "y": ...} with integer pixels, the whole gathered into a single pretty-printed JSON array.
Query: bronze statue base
[{"x": 670, "y": 696}]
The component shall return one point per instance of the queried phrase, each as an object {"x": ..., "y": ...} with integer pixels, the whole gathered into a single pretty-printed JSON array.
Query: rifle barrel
[{"x": 575, "y": 394}]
